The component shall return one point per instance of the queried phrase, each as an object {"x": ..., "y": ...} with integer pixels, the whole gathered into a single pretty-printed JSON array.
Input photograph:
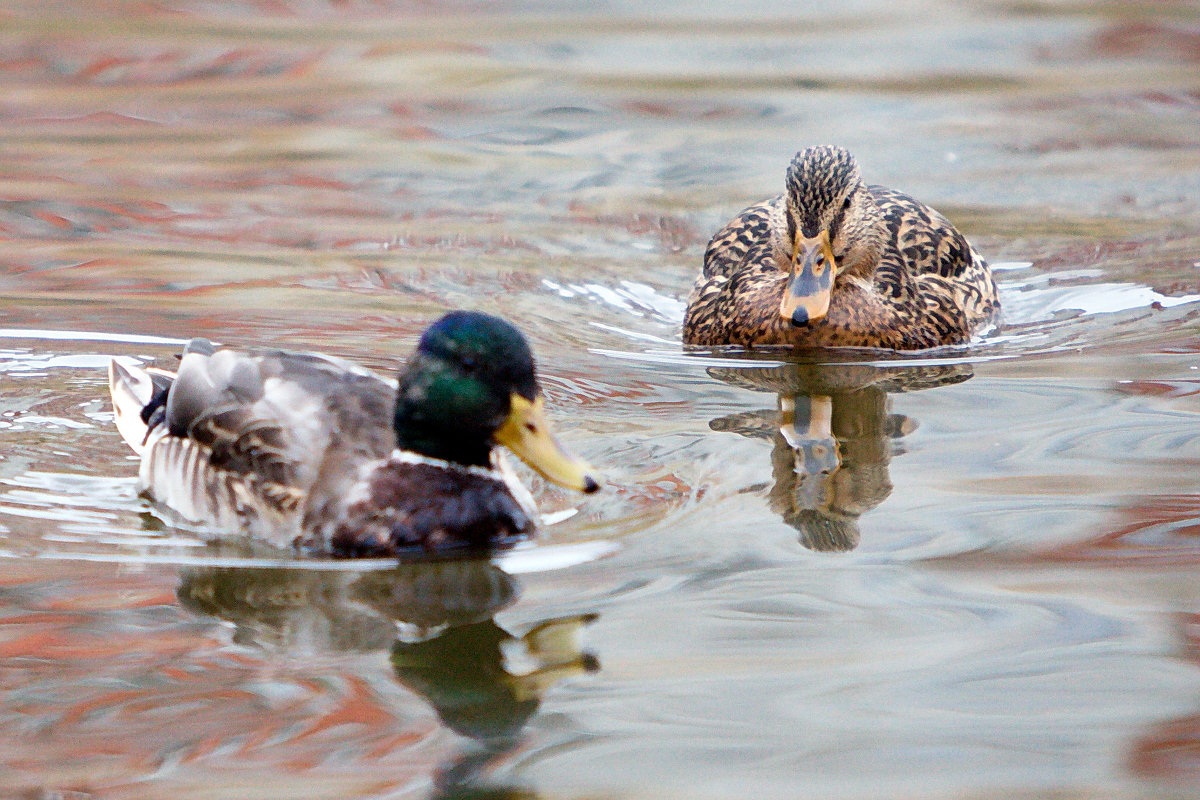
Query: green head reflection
[{"x": 436, "y": 618}]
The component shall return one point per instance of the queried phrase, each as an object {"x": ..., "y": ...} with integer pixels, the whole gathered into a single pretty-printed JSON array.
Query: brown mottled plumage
[{"x": 903, "y": 277}]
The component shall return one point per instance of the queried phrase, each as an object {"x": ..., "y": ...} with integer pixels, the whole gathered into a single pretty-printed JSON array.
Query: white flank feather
[{"x": 131, "y": 389}]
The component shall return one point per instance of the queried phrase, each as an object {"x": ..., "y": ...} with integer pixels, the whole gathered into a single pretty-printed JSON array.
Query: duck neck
[{"x": 465, "y": 446}]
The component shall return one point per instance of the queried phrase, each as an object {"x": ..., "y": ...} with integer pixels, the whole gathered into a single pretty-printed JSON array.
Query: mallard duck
[
  {"x": 315, "y": 452},
  {"x": 833, "y": 262}
]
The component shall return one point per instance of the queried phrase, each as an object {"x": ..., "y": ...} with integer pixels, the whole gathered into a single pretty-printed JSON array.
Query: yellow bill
[
  {"x": 810, "y": 285},
  {"x": 527, "y": 433}
]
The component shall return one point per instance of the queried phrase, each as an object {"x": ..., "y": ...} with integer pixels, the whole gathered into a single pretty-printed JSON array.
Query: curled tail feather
[{"x": 131, "y": 389}]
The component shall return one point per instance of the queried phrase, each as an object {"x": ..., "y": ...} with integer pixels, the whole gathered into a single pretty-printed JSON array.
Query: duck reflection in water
[
  {"x": 437, "y": 618},
  {"x": 833, "y": 436}
]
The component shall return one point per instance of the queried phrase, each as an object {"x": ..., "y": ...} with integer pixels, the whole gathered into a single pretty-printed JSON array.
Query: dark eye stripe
[{"x": 836, "y": 225}]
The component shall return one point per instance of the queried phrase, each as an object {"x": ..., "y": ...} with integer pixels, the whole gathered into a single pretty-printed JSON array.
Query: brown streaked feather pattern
[
  {"x": 728, "y": 248},
  {"x": 255, "y": 440},
  {"x": 183, "y": 479},
  {"x": 240, "y": 443},
  {"x": 926, "y": 286}
]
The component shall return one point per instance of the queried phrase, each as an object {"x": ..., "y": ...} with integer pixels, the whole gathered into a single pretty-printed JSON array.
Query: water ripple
[{"x": 1017, "y": 617}]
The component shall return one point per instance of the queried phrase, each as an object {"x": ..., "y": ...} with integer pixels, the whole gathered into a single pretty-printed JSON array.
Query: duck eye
[
  {"x": 846, "y": 203},
  {"x": 531, "y": 427}
]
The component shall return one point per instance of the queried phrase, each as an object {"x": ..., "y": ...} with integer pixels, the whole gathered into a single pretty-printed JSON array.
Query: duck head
[
  {"x": 471, "y": 385},
  {"x": 832, "y": 228}
]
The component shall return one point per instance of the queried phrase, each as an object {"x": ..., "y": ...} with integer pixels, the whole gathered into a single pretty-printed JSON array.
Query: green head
[{"x": 472, "y": 384}]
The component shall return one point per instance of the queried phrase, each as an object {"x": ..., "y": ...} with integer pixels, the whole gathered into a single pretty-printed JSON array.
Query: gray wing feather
[{"x": 251, "y": 433}]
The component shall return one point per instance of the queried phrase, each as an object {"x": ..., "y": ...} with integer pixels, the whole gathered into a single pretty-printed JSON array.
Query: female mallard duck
[
  {"x": 296, "y": 447},
  {"x": 834, "y": 262}
]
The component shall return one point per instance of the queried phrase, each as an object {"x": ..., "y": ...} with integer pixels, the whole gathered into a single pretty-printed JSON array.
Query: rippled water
[{"x": 973, "y": 573}]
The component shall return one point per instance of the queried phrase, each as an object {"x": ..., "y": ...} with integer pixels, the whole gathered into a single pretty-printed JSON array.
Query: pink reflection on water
[{"x": 113, "y": 684}]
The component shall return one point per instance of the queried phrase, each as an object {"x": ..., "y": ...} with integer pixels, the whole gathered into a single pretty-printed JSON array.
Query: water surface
[{"x": 963, "y": 574}]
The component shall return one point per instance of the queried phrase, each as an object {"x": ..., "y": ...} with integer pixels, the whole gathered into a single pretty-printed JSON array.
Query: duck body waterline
[
  {"x": 835, "y": 262},
  {"x": 316, "y": 453}
]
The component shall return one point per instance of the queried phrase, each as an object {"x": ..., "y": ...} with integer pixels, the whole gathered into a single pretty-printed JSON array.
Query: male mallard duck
[
  {"x": 833, "y": 262},
  {"x": 296, "y": 447}
]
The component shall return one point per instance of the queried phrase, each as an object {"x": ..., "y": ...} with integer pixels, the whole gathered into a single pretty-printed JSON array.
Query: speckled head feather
[
  {"x": 820, "y": 180},
  {"x": 456, "y": 391}
]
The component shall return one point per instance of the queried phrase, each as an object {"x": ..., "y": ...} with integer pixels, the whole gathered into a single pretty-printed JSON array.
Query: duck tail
[{"x": 132, "y": 388}]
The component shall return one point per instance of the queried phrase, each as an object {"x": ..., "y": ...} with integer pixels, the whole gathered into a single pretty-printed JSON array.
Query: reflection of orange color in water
[
  {"x": 145, "y": 688},
  {"x": 1171, "y": 749},
  {"x": 1179, "y": 543}
]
